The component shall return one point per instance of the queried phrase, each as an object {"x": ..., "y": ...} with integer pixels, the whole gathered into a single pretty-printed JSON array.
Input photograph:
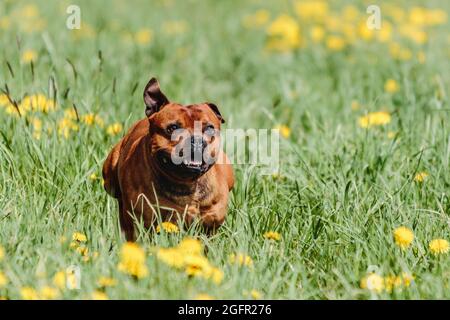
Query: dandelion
[
  {"x": 203, "y": 296},
  {"x": 284, "y": 34},
  {"x": 392, "y": 282},
  {"x": 48, "y": 293},
  {"x": 93, "y": 177},
  {"x": 59, "y": 279},
  {"x": 79, "y": 237},
  {"x": 168, "y": 227},
  {"x": 439, "y": 246},
  {"x": 312, "y": 10},
  {"x": 91, "y": 119},
  {"x": 420, "y": 177},
  {"x": 407, "y": 279},
  {"x": 98, "y": 295},
  {"x": 272, "y": 235},
  {"x": 373, "y": 282},
  {"x": 378, "y": 118},
  {"x": 114, "y": 129},
  {"x": 254, "y": 294},
  {"x": 3, "y": 279},
  {"x": 29, "y": 56},
  {"x": 335, "y": 43},
  {"x": 132, "y": 260},
  {"x": 104, "y": 282},
  {"x": 391, "y": 86},
  {"x": 196, "y": 265},
  {"x": 171, "y": 256},
  {"x": 285, "y": 131},
  {"x": 317, "y": 34},
  {"x": 143, "y": 36},
  {"x": 240, "y": 259},
  {"x": 403, "y": 237},
  {"x": 29, "y": 293},
  {"x": 190, "y": 246}
]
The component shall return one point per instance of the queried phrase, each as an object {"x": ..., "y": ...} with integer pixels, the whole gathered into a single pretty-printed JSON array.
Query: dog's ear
[
  {"x": 153, "y": 97},
  {"x": 214, "y": 108}
]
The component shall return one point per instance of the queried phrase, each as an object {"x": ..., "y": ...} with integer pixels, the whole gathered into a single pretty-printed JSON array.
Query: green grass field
[{"x": 365, "y": 149}]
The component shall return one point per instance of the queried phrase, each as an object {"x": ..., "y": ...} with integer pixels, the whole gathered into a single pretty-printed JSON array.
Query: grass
[{"x": 342, "y": 189}]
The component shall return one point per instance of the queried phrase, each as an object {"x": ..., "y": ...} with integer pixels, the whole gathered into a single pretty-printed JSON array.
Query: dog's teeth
[{"x": 185, "y": 162}]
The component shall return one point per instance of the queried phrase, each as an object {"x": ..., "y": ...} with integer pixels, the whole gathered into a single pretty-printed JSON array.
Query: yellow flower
[
  {"x": 216, "y": 275},
  {"x": 29, "y": 293},
  {"x": 312, "y": 10},
  {"x": 420, "y": 177},
  {"x": 317, "y": 33},
  {"x": 132, "y": 260},
  {"x": 284, "y": 34},
  {"x": 373, "y": 282},
  {"x": 272, "y": 235},
  {"x": 82, "y": 250},
  {"x": 374, "y": 119},
  {"x": 98, "y": 295},
  {"x": 79, "y": 237},
  {"x": 28, "y": 56},
  {"x": 203, "y": 296},
  {"x": 93, "y": 177},
  {"x": 114, "y": 129},
  {"x": 335, "y": 43},
  {"x": 391, "y": 86},
  {"x": 240, "y": 259},
  {"x": 392, "y": 282},
  {"x": 168, "y": 227},
  {"x": 254, "y": 294},
  {"x": 171, "y": 256},
  {"x": 196, "y": 265},
  {"x": 403, "y": 237},
  {"x": 259, "y": 18},
  {"x": 391, "y": 134},
  {"x": 439, "y": 246},
  {"x": 106, "y": 282},
  {"x": 59, "y": 279},
  {"x": 65, "y": 126},
  {"x": 190, "y": 246},
  {"x": 285, "y": 131},
  {"x": 407, "y": 279},
  {"x": 3, "y": 279},
  {"x": 91, "y": 119},
  {"x": 48, "y": 293},
  {"x": 63, "y": 279},
  {"x": 143, "y": 36}
]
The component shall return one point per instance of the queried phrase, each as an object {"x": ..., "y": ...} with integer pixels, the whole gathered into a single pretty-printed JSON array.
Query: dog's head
[{"x": 185, "y": 139}]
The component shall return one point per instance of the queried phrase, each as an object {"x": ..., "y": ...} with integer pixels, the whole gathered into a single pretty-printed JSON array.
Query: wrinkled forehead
[{"x": 187, "y": 114}]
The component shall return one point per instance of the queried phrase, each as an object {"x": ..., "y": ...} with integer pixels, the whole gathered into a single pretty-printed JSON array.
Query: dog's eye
[
  {"x": 210, "y": 130},
  {"x": 172, "y": 127}
]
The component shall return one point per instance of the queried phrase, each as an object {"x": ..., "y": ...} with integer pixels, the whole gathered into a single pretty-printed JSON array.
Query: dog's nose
[{"x": 197, "y": 143}]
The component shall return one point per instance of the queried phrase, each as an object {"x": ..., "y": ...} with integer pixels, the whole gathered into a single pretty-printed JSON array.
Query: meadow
[{"x": 360, "y": 208}]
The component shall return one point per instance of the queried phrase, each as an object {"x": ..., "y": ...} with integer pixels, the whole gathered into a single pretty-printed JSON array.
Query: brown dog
[{"x": 170, "y": 164}]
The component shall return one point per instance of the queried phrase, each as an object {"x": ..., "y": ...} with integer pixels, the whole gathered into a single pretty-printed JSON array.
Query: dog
[{"x": 170, "y": 164}]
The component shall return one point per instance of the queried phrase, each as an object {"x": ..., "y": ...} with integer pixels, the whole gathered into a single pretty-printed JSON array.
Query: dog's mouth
[{"x": 185, "y": 168}]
